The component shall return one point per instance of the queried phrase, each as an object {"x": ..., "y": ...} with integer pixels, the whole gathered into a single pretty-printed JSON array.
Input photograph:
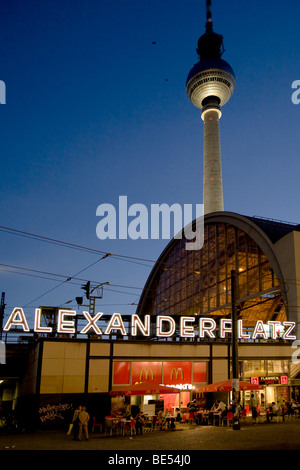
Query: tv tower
[{"x": 209, "y": 86}]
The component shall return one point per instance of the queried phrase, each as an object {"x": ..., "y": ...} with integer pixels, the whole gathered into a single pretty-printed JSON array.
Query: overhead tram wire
[
  {"x": 291, "y": 281},
  {"x": 69, "y": 245},
  {"x": 129, "y": 259},
  {"x": 158, "y": 265},
  {"x": 68, "y": 279},
  {"x": 59, "y": 275}
]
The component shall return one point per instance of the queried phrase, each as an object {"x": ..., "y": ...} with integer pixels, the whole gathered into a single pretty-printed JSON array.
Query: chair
[
  {"x": 228, "y": 418},
  {"x": 95, "y": 425},
  {"x": 262, "y": 416},
  {"x": 160, "y": 424},
  {"x": 129, "y": 426},
  {"x": 154, "y": 423},
  {"x": 111, "y": 425},
  {"x": 279, "y": 416}
]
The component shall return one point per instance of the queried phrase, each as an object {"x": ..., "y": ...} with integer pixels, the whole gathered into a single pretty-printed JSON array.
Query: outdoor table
[
  {"x": 216, "y": 415},
  {"x": 114, "y": 423},
  {"x": 126, "y": 425},
  {"x": 170, "y": 421},
  {"x": 205, "y": 417}
]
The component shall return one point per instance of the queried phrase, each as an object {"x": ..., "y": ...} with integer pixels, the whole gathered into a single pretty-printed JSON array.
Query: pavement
[{"x": 186, "y": 438}]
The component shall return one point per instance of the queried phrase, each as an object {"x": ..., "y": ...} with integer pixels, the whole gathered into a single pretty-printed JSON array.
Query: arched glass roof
[{"x": 199, "y": 282}]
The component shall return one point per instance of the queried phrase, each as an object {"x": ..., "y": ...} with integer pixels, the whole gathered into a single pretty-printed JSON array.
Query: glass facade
[{"x": 198, "y": 282}]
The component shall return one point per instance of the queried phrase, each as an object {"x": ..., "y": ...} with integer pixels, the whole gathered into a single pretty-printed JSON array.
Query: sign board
[{"x": 164, "y": 326}]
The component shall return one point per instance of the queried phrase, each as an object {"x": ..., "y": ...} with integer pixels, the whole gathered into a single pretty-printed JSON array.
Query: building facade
[{"x": 187, "y": 300}]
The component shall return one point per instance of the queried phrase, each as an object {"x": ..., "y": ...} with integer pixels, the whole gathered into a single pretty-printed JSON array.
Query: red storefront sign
[
  {"x": 254, "y": 380},
  {"x": 199, "y": 372},
  {"x": 143, "y": 371},
  {"x": 175, "y": 373},
  {"x": 121, "y": 373},
  {"x": 168, "y": 373}
]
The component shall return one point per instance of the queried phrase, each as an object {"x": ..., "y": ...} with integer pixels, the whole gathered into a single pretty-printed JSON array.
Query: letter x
[{"x": 92, "y": 323}]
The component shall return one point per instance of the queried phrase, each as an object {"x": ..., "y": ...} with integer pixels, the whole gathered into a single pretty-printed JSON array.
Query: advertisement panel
[
  {"x": 146, "y": 371},
  {"x": 175, "y": 372},
  {"x": 121, "y": 373},
  {"x": 199, "y": 372}
]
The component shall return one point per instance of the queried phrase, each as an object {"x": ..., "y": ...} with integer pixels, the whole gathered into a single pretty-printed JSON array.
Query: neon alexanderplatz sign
[{"x": 187, "y": 327}]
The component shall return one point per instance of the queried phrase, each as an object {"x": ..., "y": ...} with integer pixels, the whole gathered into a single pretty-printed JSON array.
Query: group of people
[
  {"x": 165, "y": 419},
  {"x": 283, "y": 408},
  {"x": 80, "y": 420},
  {"x": 79, "y": 424},
  {"x": 222, "y": 409},
  {"x": 136, "y": 414},
  {"x": 292, "y": 408},
  {"x": 274, "y": 409}
]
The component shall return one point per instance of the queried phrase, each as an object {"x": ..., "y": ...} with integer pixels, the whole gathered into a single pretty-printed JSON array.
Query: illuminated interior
[{"x": 198, "y": 282}]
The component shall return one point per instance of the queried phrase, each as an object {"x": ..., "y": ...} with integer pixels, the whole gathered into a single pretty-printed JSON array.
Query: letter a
[
  {"x": 106, "y": 228},
  {"x": 13, "y": 320}
]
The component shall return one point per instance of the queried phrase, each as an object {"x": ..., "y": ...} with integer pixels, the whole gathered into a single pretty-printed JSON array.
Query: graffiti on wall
[{"x": 54, "y": 413}]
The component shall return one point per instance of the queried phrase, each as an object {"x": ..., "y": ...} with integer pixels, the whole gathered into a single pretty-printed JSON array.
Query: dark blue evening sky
[{"x": 95, "y": 110}]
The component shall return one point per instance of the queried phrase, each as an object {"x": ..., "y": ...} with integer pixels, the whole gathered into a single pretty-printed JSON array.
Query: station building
[{"x": 46, "y": 373}]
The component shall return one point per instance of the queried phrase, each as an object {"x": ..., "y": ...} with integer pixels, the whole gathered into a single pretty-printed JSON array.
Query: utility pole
[
  {"x": 2, "y": 308},
  {"x": 92, "y": 297},
  {"x": 234, "y": 346},
  {"x": 234, "y": 339},
  {"x": 234, "y": 336}
]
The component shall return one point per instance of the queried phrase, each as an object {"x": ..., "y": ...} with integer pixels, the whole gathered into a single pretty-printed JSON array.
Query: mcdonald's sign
[
  {"x": 178, "y": 373},
  {"x": 146, "y": 373}
]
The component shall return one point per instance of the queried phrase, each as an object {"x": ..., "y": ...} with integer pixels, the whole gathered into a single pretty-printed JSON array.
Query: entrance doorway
[{"x": 270, "y": 395}]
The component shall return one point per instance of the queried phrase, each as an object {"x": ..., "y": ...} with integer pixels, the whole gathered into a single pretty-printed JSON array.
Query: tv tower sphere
[
  {"x": 209, "y": 86},
  {"x": 212, "y": 78}
]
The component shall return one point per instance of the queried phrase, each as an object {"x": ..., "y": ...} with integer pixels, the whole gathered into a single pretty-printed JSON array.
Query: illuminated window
[{"x": 199, "y": 282}]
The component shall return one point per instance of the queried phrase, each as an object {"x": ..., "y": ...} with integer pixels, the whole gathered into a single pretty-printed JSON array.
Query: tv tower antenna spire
[{"x": 208, "y": 11}]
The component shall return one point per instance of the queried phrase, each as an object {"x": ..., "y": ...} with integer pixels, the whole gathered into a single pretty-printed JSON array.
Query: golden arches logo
[
  {"x": 147, "y": 372},
  {"x": 176, "y": 372}
]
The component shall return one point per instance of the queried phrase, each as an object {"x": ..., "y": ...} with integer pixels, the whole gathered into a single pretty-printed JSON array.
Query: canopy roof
[
  {"x": 143, "y": 388},
  {"x": 226, "y": 386}
]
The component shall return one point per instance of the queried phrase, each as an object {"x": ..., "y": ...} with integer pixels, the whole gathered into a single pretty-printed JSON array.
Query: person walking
[
  {"x": 75, "y": 423},
  {"x": 161, "y": 419},
  {"x": 83, "y": 423},
  {"x": 139, "y": 423},
  {"x": 253, "y": 406}
]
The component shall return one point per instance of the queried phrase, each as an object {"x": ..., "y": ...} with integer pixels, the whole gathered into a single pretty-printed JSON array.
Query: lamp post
[
  {"x": 234, "y": 336},
  {"x": 234, "y": 344}
]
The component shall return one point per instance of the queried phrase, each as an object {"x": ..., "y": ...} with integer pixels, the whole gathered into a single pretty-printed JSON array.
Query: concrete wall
[
  {"x": 287, "y": 251},
  {"x": 63, "y": 367},
  {"x": 64, "y": 364}
]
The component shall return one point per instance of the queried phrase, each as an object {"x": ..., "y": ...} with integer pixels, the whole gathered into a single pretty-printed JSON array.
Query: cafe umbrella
[{"x": 143, "y": 388}]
